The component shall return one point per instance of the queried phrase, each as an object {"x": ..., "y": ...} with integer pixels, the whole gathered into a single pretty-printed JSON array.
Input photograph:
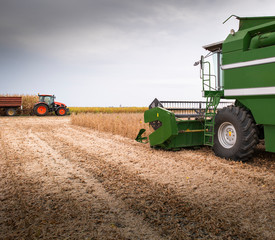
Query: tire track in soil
[
  {"x": 173, "y": 167},
  {"x": 60, "y": 181},
  {"x": 31, "y": 210},
  {"x": 190, "y": 159},
  {"x": 139, "y": 195},
  {"x": 176, "y": 222}
]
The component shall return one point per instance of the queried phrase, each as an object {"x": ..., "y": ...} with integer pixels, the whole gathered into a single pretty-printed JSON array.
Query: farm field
[
  {"x": 77, "y": 110},
  {"x": 62, "y": 181}
]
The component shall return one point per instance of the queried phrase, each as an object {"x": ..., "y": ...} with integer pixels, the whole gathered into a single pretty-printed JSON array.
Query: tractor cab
[{"x": 48, "y": 99}]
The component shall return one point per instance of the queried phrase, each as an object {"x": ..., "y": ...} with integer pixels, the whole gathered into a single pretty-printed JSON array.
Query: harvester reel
[{"x": 235, "y": 134}]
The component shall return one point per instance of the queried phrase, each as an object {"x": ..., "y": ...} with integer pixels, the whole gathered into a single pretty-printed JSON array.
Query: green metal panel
[
  {"x": 190, "y": 134},
  {"x": 236, "y": 42},
  {"x": 261, "y": 107},
  {"x": 174, "y": 133},
  {"x": 254, "y": 41},
  {"x": 269, "y": 131},
  {"x": 248, "y": 22},
  {"x": 241, "y": 40},
  {"x": 169, "y": 126},
  {"x": 250, "y": 77},
  {"x": 248, "y": 55}
]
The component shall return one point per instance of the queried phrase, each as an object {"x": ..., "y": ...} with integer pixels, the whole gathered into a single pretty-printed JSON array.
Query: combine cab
[
  {"x": 242, "y": 70},
  {"x": 47, "y": 104}
]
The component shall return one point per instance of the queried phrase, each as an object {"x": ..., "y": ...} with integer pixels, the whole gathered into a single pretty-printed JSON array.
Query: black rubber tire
[
  {"x": 36, "y": 107},
  {"x": 61, "y": 111},
  {"x": 10, "y": 112},
  {"x": 246, "y": 134}
]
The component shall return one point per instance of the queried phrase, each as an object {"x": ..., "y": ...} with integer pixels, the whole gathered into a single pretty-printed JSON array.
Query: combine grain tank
[
  {"x": 245, "y": 73},
  {"x": 11, "y": 105}
]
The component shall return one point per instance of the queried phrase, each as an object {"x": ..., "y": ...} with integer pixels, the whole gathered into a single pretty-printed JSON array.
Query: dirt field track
[{"x": 60, "y": 181}]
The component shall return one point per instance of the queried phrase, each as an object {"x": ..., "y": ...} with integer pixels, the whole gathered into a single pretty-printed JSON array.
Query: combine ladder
[
  {"x": 212, "y": 103},
  {"x": 213, "y": 97}
]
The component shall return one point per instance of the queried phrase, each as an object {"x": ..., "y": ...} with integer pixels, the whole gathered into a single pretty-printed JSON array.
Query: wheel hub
[
  {"x": 41, "y": 109},
  {"x": 227, "y": 135}
]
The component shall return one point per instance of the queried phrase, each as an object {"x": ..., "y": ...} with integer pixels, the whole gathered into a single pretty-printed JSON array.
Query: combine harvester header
[{"x": 245, "y": 63}]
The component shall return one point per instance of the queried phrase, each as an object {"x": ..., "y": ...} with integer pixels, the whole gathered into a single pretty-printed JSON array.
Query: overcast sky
[{"x": 112, "y": 52}]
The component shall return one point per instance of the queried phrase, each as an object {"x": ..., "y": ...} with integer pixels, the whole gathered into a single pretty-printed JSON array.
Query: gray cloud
[
  {"x": 34, "y": 17},
  {"x": 114, "y": 47}
]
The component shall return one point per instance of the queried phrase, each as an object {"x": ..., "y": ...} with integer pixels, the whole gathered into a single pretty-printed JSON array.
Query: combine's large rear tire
[
  {"x": 41, "y": 109},
  {"x": 61, "y": 111},
  {"x": 10, "y": 112},
  {"x": 235, "y": 134}
]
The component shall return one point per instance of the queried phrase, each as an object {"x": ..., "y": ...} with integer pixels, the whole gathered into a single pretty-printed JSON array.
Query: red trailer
[{"x": 11, "y": 105}]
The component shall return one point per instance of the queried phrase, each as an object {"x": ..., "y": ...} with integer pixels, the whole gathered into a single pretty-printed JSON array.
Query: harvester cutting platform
[{"x": 245, "y": 72}]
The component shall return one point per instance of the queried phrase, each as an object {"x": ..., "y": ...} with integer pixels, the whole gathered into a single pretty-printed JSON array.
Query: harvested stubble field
[{"x": 61, "y": 181}]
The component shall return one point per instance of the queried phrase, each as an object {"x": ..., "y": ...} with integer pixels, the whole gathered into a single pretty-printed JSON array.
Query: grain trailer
[{"x": 11, "y": 105}]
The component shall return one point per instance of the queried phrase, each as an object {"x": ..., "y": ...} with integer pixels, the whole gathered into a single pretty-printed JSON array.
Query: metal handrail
[{"x": 203, "y": 75}]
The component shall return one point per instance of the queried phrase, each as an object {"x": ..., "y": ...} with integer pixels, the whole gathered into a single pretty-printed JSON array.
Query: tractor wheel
[
  {"x": 61, "y": 111},
  {"x": 10, "y": 112},
  {"x": 41, "y": 109},
  {"x": 235, "y": 134}
]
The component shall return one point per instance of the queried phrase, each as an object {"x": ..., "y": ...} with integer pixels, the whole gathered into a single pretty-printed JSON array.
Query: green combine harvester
[{"x": 245, "y": 73}]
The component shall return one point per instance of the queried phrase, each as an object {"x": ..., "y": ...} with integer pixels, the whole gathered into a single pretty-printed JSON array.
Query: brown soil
[{"x": 60, "y": 181}]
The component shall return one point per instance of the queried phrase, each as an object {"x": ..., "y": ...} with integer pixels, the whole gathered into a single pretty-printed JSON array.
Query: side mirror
[{"x": 197, "y": 63}]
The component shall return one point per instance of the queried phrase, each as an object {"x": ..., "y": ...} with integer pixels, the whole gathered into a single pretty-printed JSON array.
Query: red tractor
[{"x": 47, "y": 104}]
